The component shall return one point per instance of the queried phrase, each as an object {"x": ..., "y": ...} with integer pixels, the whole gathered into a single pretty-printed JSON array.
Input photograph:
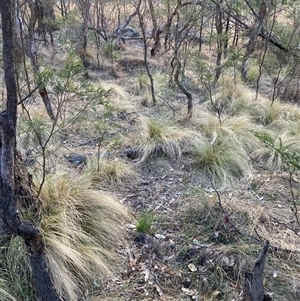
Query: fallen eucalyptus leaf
[{"x": 192, "y": 267}]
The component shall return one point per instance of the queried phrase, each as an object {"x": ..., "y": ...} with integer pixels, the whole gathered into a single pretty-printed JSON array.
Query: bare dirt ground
[{"x": 192, "y": 254}]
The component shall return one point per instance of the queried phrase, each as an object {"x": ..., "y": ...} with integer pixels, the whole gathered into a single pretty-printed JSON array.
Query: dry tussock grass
[
  {"x": 119, "y": 99},
  {"x": 224, "y": 159},
  {"x": 110, "y": 172},
  {"x": 273, "y": 159},
  {"x": 241, "y": 129},
  {"x": 6, "y": 296},
  {"x": 161, "y": 136},
  {"x": 234, "y": 98},
  {"x": 82, "y": 230}
]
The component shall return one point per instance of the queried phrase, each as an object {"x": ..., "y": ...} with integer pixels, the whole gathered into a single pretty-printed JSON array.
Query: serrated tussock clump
[
  {"x": 82, "y": 231},
  {"x": 238, "y": 128},
  {"x": 221, "y": 158},
  {"x": 108, "y": 171},
  {"x": 161, "y": 137},
  {"x": 267, "y": 152}
]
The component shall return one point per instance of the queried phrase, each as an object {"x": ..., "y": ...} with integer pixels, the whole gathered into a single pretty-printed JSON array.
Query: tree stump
[{"x": 254, "y": 287}]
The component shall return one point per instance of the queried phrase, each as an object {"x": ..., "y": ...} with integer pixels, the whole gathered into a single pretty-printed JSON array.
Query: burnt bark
[
  {"x": 46, "y": 18},
  {"x": 31, "y": 50},
  {"x": 254, "y": 287},
  {"x": 255, "y": 33},
  {"x": 12, "y": 222},
  {"x": 219, "y": 27},
  {"x": 183, "y": 89}
]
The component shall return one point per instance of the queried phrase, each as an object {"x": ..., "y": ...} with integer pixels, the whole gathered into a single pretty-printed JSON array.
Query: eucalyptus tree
[
  {"x": 260, "y": 18},
  {"x": 178, "y": 22},
  {"x": 11, "y": 220},
  {"x": 31, "y": 18}
]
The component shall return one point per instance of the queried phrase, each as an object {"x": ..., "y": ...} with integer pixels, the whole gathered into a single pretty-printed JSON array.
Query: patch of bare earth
[{"x": 193, "y": 253}]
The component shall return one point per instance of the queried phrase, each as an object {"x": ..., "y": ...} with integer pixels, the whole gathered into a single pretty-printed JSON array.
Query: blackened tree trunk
[
  {"x": 9, "y": 215},
  {"x": 220, "y": 38},
  {"x": 31, "y": 47},
  {"x": 254, "y": 287},
  {"x": 46, "y": 18},
  {"x": 255, "y": 33}
]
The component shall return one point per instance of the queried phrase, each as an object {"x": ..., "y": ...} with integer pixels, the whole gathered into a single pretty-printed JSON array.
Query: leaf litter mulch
[{"x": 191, "y": 251}]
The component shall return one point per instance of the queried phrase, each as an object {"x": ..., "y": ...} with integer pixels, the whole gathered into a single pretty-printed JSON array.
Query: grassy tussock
[
  {"x": 222, "y": 158},
  {"x": 270, "y": 155},
  {"x": 293, "y": 127},
  {"x": 143, "y": 83},
  {"x": 82, "y": 230},
  {"x": 6, "y": 296},
  {"x": 108, "y": 171},
  {"x": 241, "y": 129},
  {"x": 15, "y": 283},
  {"x": 238, "y": 128},
  {"x": 160, "y": 136},
  {"x": 290, "y": 127},
  {"x": 119, "y": 99},
  {"x": 267, "y": 113},
  {"x": 234, "y": 99}
]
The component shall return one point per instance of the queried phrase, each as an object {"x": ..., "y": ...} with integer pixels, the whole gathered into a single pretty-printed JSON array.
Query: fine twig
[
  {"x": 25, "y": 98},
  {"x": 233, "y": 227},
  {"x": 226, "y": 214}
]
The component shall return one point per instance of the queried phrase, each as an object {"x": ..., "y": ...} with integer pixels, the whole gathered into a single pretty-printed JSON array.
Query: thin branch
[
  {"x": 263, "y": 33},
  {"x": 226, "y": 214},
  {"x": 237, "y": 230},
  {"x": 295, "y": 207}
]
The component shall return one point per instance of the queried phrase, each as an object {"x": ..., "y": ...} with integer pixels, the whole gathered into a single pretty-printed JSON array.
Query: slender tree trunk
[
  {"x": 183, "y": 89},
  {"x": 155, "y": 32},
  {"x": 45, "y": 12},
  {"x": 141, "y": 19},
  {"x": 84, "y": 7},
  {"x": 9, "y": 215},
  {"x": 33, "y": 58},
  {"x": 256, "y": 31},
  {"x": 219, "y": 28}
]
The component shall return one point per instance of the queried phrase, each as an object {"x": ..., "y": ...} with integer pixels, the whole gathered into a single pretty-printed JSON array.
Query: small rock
[{"x": 76, "y": 159}]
